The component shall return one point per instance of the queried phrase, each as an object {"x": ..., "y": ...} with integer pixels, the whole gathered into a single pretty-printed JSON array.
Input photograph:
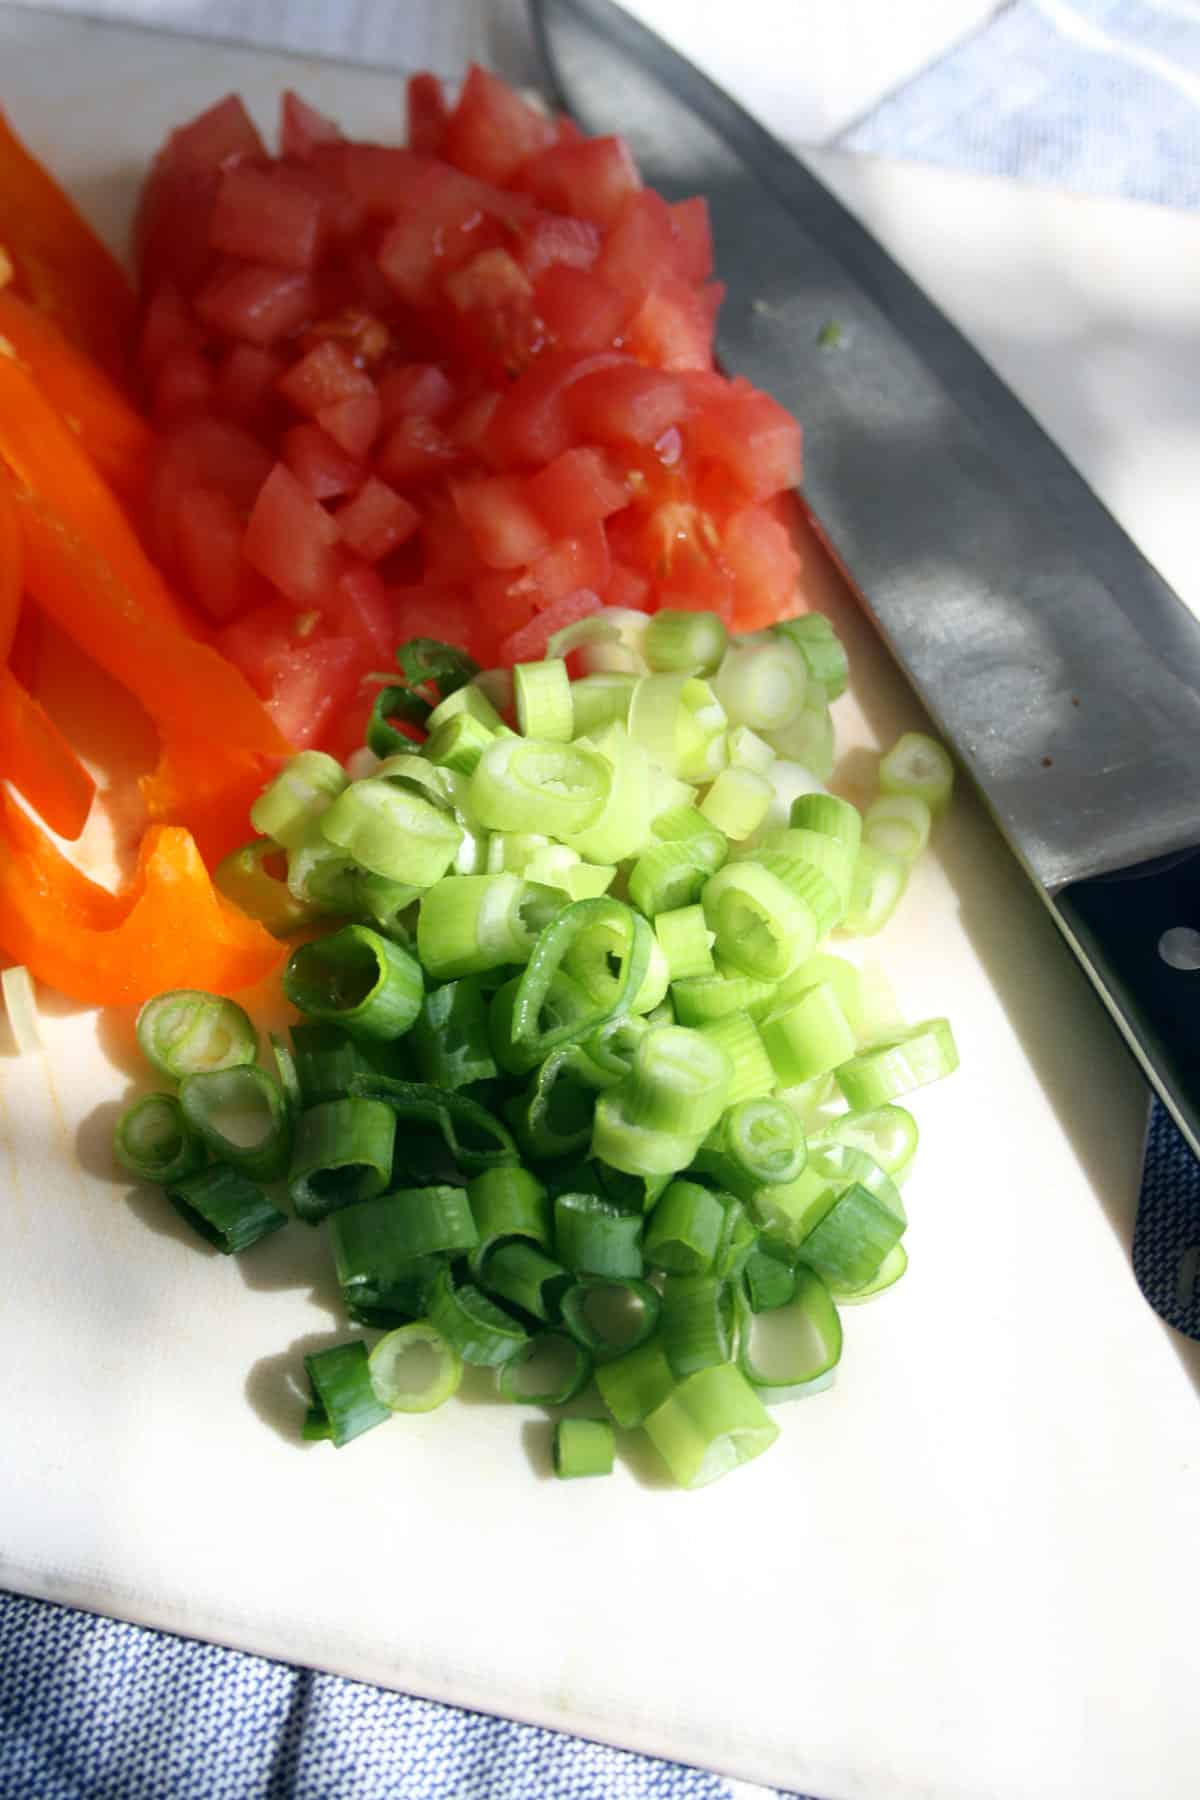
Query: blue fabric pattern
[{"x": 1098, "y": 95}]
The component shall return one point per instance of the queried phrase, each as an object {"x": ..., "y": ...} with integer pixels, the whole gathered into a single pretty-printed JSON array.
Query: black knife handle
[{"x": 1138, "y": 935}]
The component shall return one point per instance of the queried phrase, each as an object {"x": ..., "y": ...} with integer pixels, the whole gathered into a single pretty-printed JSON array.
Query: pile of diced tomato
[{"x": 463, "y": 389}]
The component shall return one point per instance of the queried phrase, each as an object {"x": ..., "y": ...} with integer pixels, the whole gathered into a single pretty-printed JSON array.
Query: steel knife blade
[{"x": 1050, "y": 653}]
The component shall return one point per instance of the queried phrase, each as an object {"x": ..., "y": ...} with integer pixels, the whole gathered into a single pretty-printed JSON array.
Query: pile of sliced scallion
[{"x": 578, "y": 1093}]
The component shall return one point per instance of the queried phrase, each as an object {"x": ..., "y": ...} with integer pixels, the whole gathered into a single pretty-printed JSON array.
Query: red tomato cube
[
  {"x": 626, "y": 405},
  {"x": 427, "y": 114},
  {"x": 751, "y": 437},
  {"x": 642, "y": 249},
  {"x": 582, "y": 561},
  {"x": 256, "y": 303},
  {"x": 310, "y": 687},
  {"x": 302, "y": 127},
  {"x": 415, "y": 449},
  {"x": 292, "y": 540},
  {"x": 376, "y": 520},
  {"x": 576, "y": 490},
  {"x": 759, "y": 554},
  {"x": 327, "y": 374},
  {"x": 531, "y": 425},
  {"x": 589, "y": 180},
  {"x": 581, "y": 311},
  {"x": 321, "y": 467},
  {"x": 693, "y": 237},
  {"x": 208, "y": 549},
  {"x": 246, "y": 378},
  {"x": 183, "y": 387},
  {"x": 550, "y": 238},
  {"x": 266, "y": 219},
  {"x": 167, "y": 325},
  {"x": 492, "y": 131},
  {"x": 500, "y": 522},
  {"x": 353, "y": 422},
  {"x": 362, "y": 609},
  {"x": 528, "y": 643},
  {"x": 216, "y": 138},
  {"x": 420, "y": 389},
  {"x": 673, "y": 327}
]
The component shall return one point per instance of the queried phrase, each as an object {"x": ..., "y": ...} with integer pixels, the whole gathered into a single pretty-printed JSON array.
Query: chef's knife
[{"x": 1049, "y": 652}]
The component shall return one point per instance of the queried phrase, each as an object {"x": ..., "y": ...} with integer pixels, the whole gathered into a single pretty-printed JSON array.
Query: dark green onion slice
[
  {"x": 633, "y": 1384},
  {"x": 922, "y": 1054},
  {"x": 684, "y": 1231},
  {"x": 739, "y": 1242},
  {"x": 344, "y": 1401},
  {"x": 450, "y": 1037},
  {"x": 241, "y": 1115},
  {"x": 791, "y": 1210},
  {"x": 595, "y": 1237},
  {"x": 553, "y": 1117},
  {"x": 186, "y": 1032},
  {"x": 888, "y": 1274},
  {"x": 382, "y": 1281},
  {"x": 341, "y": 1154},
  {"x": 399, "y": 703},
  {"x": 583, "y": 1447},
  {"x": 567, "y": 1014},
  {"x": 413, "y": 1369},
  {"x": 604, "y": 947},
  {"x": 326, "y": 1058},
  {"x": 475, "y": 1139},
  {"x": 477, "y": 1329},
  {"x": 850, "y": 1241},
  {"x": 426, "y": 660},
  {"x": 358, "y": 979},
  {"x": 507, "y": 1203},
  {"x": 709, "y": 1425},
  {"x": 769, "y": 1281},
  {"x": 154, "y": 1141},
  {"x": 289, "y": 1075},
  {"x": 245, "y": 876},
  {"x": 697, "y": 1322},
  {"x": 765, "y": 1139},
  {"x": 225, "y": 1207},
  {"x": 609, "y": 1315},
  {"x": 821, "y": 648},
  {"x": 524, "y": 1276},
  {"x": 793, "y": 1351},
  {"x": 550, "y": 1370}
]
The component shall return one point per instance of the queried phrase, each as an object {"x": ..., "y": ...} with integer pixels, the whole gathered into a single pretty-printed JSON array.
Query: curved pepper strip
[
  {"x": 114, "y": 435},
  {"x": 59, "y": 263},
  {"x": 11, "y": 566},
  {"x": 170, "y": 928},
  {"x": 207, "y": 788},
  {"x": 176, "y": 677},
  {"x": 37, "y": 759},
  {"x": 48, "y": 461}
]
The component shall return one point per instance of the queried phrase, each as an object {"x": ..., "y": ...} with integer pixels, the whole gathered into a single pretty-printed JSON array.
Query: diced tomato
[
  {"x": 427, "y": 114},
  {"x": 528, "y": 644},
  {"x": 321, "y": 467},
  {"x": 353, "y": 422},
  {"x": 256, "y": 303},
  {"x": 582, "y": 561},
  {"x": 293, "y": 541},
  {"x": 322, "y": 377},
  {"x": 751, "y": 438},
  {"x": 626, "y": 404},
  {"x": 390, "y": 182},
  {"x": 694, "y": 238},
  {"x": 266, "y": 218},
  {"x": 627, "y": 587},
  {"x": 218, "y": 137},
  {"x": 550, "y": 238},
  {"x": 760, "y": 556},
  {"x": 246, "y": 386},
  {"x": 531, "y": 425},
  {"x": 376, "y": 520},
  {"x": 673, "y": 327},
  {"x": 183, "y": 387},
  {"x": 492, "y": 131},
  {"x": 203, "y": 453},
  {"x": 259, "y": 637},
  {"x": 432, "y": 612},
  {"x": 591, "y": 179},
  {"x": 420, "y": 389},
  {"x": 164, "y": 253},
  {"x": 415, "y": 449},
  {"x": 361, "y": 608},
  {"x": 493, "y": 298},
  {"x": 302, "y": 127},
  {"x": 500, "y": 522},
  {"x": 208, "y": 546},
  {"x": 577, "y": 489},
  {"x": 581, "y": 311},
  {"x": 418, "y": 250},
  {"x": 310, "y": 686},
  {"x": 167, "y": 325},
  {"x": 643, "y": 248}
]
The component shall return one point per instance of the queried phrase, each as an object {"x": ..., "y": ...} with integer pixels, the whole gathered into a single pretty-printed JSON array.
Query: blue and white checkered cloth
[{"x": 1102, "y": 96}]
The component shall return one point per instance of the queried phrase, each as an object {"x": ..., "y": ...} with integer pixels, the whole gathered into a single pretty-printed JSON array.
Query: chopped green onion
[
  {"x": 681, "y": 723},
  {"x": 20, "y": 1003},
  {"x": 702, "y": 998},
  {"x": 610, "y": 1314},
  {"x": 321, "y": 877},
  {"x": 875, "y": 891},
  {"x": 697, "y": 1321},
  {"x": 582, "y": 1447},
  {"x": 808, "y": 738},
  {"x": 521, "y": 784},
  {"x": 665, "y": 878},
  {"x": 686, "y": 942},
  {"x": 600, "y": 700},
  {"x": 506, "y": 1204},
  {"x": 413, "y": 1369},
  {"x": 633, "y": 1384},
  {"x": 241, "y": 1115},
  {"x": 761, "y": 928},
  {"x": 764, "y": 1139},
  {"x": 245, "y": 877},
  {"x": 457, "y": 744},
  {"x": 475, "y": 1139},
  {"x": 341, "y": 1154},
  {"x": 225, "y": 1207},
  {"x": 888, "y": 1274},
  {"x": 594, "y": 1237},
  {"x": 553, "y": 1117},
  {"x": 357, "y": 979},
  {"x": 807, "y": 1037},
  {"x": 468, "y": 701},
  {"x": 679, "y": 1083},
  {"x": 709, "y": 1425},
  {"x": 601, "y": 945},
  {"x": 762, "y": 683},
  {"x": 450, "y": 1036},
  {"x": 819, "y": 850},
  {"x": 184, "y": 1032},
  {"x": 823, "y": 893},
  {"x": 881, "y": 1073},
  {"x": 741, "y": 1237},
  {"x": 392, "y": 702},
  {"x": 423, "y": 660},
  {"x": 738, "y": 1037},
  {"x": 155, "y": 1142},
  {"x": 326, "y": 1058},
  {"x": 542, "y": 692},
  {"x": 898, "y": 824},
  {"x": 768, "y": 1281},
  {"x": 521, "y": 1274},
  {"x": 387, "y": 1250},
  {"x": 737, "y": 802},
  {"x": 550, "y": 1370},
  {"x": 474, "y": 1327},
  {"x": 792, "y": 1351},
  {"x": 391, "y": 832},
  {"x": 344, "y": 1399},
  {"x": 886, "y": 1133},
  {"x": 290, "y": 805},
  {"x": 849, "y": 1242},
  {"x": 685, "y": 1229},
  {"x": 749, "y": 751},
  {"x": 684, "y": 643},
  {"x": 789, "y": 1211},
  {"x": 831, "y": 817},
  {"x": 840, "y": 975},
  {"x": 289, "y": 1076},
  {"x": 469, "y": 924},
  {"x": 683, "y": 824},
  {"x": 821, "y": 648},
  {"x": 622, "y": 826},
  {"x": 610, "y": 639},
  {"x": 918, "y": 765}
]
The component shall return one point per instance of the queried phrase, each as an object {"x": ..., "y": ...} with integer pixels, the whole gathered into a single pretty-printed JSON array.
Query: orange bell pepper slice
[
  {"x": 37, "y": 759},
  {"x": 11, "y": 563},
  {"x": 48, "y": 461},
  {"x": 59, "y": 263},
  {"x": 169, "y": 929},
  {"x": 114, "y": 435},
  {"x": 206, "y": 788},
  {"x": 179, "y": 680}
]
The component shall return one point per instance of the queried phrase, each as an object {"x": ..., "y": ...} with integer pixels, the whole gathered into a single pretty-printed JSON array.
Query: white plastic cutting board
[{"x": 970, "y": 1569}]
